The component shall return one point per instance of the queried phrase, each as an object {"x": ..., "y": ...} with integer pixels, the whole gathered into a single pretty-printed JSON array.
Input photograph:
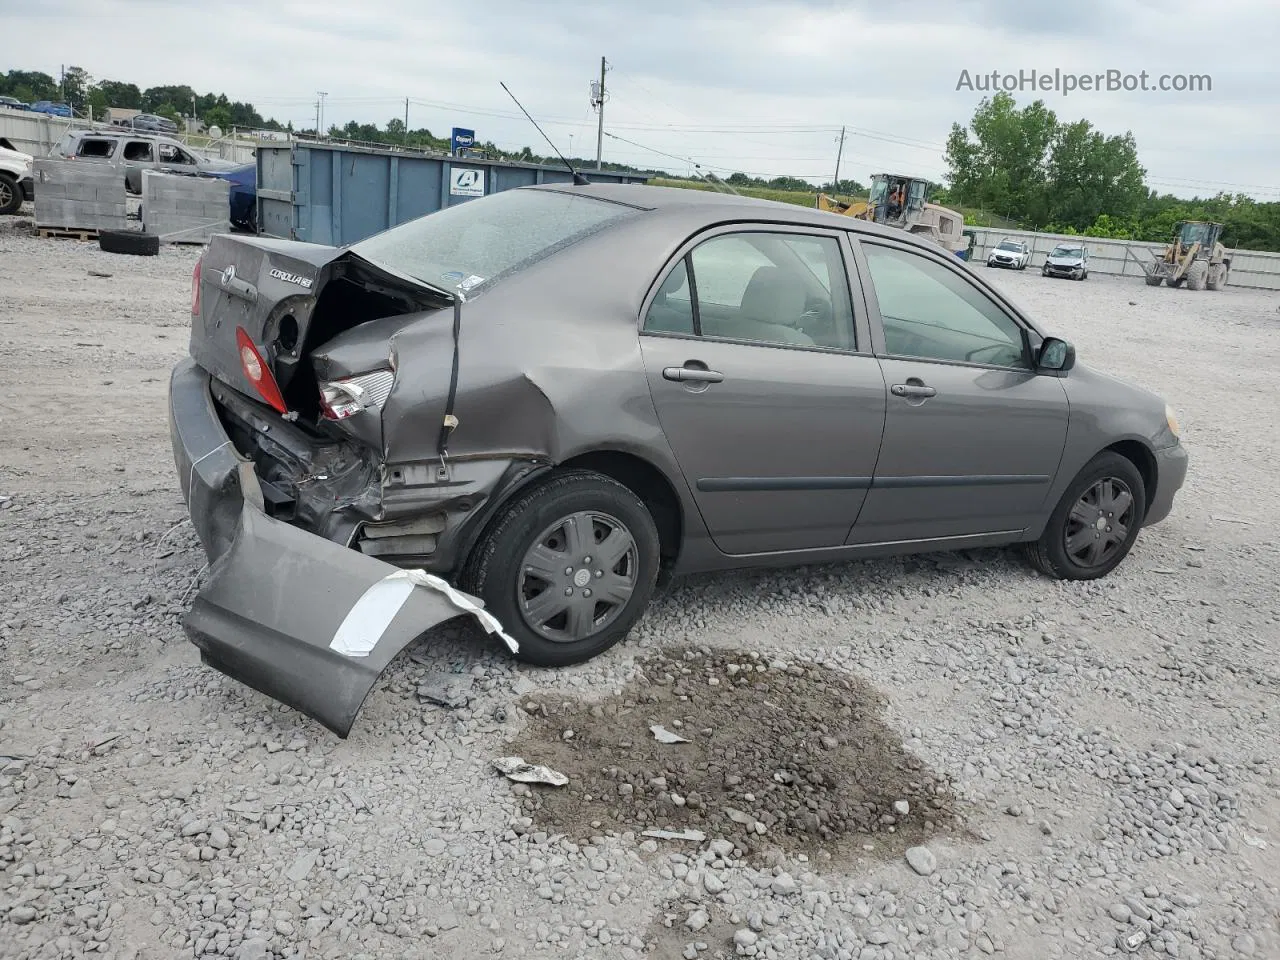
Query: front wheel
[
  {"x": 1096, "y": 522},
  {"x": 567, "y": 568},
  {"x": 10, "y": 195}
]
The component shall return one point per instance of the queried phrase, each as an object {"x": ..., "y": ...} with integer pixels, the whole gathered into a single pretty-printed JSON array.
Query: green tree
[
  {"x": 218, "y": 117},
  {"x": 75, "y": 86},
  {"x": 28, "y": 85},
  {"x": 169, "y": 112},
  {"x": 1000, "y": 160},
  {"x": 1090, "y": 174}
]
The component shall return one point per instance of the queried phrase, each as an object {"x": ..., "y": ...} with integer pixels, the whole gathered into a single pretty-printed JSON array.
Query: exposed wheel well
[
  {"x": 648, "y": 483},
  {"x": 1142, "y": 458}
]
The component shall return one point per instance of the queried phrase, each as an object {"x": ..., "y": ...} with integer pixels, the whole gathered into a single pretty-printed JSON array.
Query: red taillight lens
[
  {"x": 195, "y": 287},
  {"x": 259, "y": 374}
]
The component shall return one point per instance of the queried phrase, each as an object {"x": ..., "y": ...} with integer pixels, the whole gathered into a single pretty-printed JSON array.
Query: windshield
[
  {"x": 463, "y": 246},
  {"x": 1067, "y": 252},
  {"x": 879, "y": 188},
  {"x": 1195, "y": 233},
  {"x": 1009, "y": 245}
]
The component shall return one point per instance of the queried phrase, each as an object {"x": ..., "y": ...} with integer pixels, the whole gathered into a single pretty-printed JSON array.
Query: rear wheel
[
  {"x": 10, "y": 195},
  {"x": 567, "y": 568},
  {"x": 1096, "y": 522}
]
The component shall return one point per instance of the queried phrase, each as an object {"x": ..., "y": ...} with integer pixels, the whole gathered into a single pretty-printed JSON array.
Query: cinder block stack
[
  {"x": 182, "y": 209},
  {"x": 78, "y": 195}
]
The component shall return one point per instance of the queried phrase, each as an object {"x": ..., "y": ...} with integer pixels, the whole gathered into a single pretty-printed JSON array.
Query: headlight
[{"x": 1172, "y": 419}]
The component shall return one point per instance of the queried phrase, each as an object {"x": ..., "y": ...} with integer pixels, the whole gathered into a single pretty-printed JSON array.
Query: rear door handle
[
  {"x": 912, "y": 390},
  {"x": 692, "y": 374}
]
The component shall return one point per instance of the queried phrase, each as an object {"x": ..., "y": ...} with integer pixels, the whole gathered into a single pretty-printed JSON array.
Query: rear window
[
  {"x": 475, "y": 242},
  {"x": 93, "y": 147}
]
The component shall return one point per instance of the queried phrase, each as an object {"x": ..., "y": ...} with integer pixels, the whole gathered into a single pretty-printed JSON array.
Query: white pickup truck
[{"x": 16, "y": 181}]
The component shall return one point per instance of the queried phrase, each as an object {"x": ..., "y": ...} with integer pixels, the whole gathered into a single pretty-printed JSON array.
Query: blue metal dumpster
[{"x": 338, "y": 194}]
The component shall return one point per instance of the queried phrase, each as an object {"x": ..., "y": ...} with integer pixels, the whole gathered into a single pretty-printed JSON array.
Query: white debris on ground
[{"x": 1116, "y": 744}]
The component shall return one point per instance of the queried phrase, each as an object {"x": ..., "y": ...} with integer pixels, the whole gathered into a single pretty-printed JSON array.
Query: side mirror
[{"x": 1055, "y": 354}]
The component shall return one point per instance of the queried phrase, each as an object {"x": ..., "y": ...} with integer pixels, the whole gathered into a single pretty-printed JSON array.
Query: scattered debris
[
  {"x": 663, "y": 735},
  {"x": 98, "y": 273},
  {"x": 515, "y": 768},
  {"x": 697, "y": 836},
  {"x": 1247, "y": 523},
  {"x": 452, "y": 694}
]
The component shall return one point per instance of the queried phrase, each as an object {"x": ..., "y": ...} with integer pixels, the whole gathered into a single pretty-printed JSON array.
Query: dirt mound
[{"x": 794, "y": 757}]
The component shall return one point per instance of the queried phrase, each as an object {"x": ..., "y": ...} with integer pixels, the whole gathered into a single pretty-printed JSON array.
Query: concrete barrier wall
[
  {"x": 184, "y": 209},
  {"x": 1124, "y": 258},
  {"x": 78, "y": 196}
]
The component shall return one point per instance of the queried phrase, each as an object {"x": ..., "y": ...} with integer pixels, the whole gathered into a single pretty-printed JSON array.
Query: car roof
[{"x": 719, "y": 207}]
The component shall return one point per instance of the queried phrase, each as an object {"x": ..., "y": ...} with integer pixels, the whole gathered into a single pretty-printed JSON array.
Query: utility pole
[
  {"x": 406, "y": 121},
  {"x": 600, "y": 127},
  {"x": 317, "y": 119},
  {"x": 835, "y": 184},
  {"x": 320, "y": 114}
]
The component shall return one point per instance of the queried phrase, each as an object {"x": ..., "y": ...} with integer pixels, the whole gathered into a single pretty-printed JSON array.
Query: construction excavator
[
  {"x": 1196, "y": 256},
  {"x": 902, "y": 201}
]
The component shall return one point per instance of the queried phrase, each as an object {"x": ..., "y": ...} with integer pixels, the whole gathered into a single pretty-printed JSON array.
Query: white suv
[
  {"x": 16, "y": 181},
  {"x": 1010, "y": 253}
]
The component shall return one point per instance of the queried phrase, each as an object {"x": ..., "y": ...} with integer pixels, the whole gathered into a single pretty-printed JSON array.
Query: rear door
[
  {"x": 973, "y": 435},
  {"x": 765, "y": 385}
]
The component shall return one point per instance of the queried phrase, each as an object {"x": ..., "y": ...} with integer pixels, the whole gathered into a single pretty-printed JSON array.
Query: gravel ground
[{"x": 1106, "y": 756}]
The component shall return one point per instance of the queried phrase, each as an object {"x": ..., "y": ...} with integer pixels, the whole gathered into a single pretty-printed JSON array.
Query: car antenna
[{"x": 578, "y": 179}]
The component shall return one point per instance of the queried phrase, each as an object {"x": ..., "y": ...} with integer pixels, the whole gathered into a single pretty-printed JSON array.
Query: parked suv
[
  {"x": 134, "y": 152},
  {"x": 1069, "y": 259},
  {"x": 152, "y": 122},
  {"x": 16, "y": 183},
  {"x": 1014, "y": 254}
]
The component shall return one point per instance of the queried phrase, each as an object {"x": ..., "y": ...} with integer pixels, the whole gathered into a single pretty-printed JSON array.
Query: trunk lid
[{"x": 289, "y": 297}]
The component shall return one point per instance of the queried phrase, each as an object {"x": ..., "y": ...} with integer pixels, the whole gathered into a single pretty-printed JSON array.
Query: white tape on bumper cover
[{"x": 372, "y": 614}]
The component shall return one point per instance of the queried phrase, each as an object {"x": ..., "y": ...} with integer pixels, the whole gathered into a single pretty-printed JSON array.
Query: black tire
[
  {"x": 133, "y": 242},
  {"x": 493, "y": 571},
  {"x": 10, "y": 195},
  {"x": 1050, "y": 554},
  {"x": 1153, "y": 281}
]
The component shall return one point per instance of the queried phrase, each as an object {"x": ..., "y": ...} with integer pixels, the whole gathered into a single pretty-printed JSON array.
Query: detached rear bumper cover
[{"x": 301, "y": 619}]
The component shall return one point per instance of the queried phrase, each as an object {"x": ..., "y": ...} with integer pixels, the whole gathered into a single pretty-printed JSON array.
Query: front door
[
  {"x": 973, "y": 435},
  {"x": 766, "y": 388}
]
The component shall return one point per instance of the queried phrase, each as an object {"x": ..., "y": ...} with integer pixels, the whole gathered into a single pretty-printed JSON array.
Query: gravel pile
[
  {"x": 1107, "y": 752},
  {"x": 764, "y": 754}
]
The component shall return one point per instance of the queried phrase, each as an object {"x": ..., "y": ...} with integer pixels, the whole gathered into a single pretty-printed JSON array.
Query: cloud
[{"x": 759, "y": 86}]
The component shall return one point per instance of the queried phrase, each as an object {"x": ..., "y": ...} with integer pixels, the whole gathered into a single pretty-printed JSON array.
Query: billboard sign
[{"x": 461, "y": 139}]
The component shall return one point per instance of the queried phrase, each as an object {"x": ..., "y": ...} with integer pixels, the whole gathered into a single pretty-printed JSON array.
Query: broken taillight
[
  {"x": 340, "y": 399},
  {"x": 195, "y": 287},
  {"x": 259, "y": 374}
]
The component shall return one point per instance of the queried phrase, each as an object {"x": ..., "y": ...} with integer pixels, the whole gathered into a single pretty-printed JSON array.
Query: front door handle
[
  {"x": 912, "y": 390},
  {"x": 688, "y": 374}
]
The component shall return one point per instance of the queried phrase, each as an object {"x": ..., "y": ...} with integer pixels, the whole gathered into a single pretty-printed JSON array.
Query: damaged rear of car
[{"x": 313, "y": 428}]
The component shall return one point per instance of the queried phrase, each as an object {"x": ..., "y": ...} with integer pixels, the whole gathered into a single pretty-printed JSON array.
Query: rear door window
[{"x": 138, "y": 150}]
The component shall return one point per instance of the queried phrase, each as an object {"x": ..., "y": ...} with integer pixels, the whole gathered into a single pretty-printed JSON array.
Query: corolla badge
[{"x": 301, "y": 281}]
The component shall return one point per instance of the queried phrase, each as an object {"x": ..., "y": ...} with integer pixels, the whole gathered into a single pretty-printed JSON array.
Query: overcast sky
[{"x": 749, "y": 85}]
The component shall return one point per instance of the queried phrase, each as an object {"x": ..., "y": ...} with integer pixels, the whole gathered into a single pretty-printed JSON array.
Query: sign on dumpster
[{"x": 466, "y": 181}]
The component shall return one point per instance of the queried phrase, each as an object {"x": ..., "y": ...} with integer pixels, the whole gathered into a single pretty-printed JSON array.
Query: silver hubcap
[
  {"x": 577, "y": 576},
  {"x": 1099, "y": 522}
]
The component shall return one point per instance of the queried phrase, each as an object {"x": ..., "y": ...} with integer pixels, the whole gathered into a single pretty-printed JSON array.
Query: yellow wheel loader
[
  {"x": 1195, "y": 257},
  {"x": 898, "y": 200}
]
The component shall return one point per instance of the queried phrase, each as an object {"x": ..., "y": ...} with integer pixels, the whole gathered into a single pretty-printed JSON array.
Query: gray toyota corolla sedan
[{"x": 534, "y": 406}]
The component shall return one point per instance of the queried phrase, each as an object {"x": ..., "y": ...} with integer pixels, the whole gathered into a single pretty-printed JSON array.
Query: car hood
[
  {"x": 219, "y": 165},
  {"x": 16, "y": 155},
  {"x": 1065, "y": 261}
]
